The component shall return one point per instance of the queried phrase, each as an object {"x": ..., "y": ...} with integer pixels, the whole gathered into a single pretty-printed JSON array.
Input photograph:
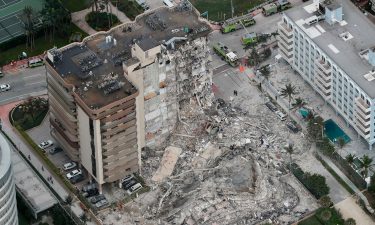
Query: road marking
[
  {"x": 39, "y": 82},
  {"x": 19, "y": 97},
  {"x": 36, "y": 75}
]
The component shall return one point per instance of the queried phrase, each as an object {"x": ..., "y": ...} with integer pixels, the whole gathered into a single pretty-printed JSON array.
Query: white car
[
  {"x": 4, "y": 87},
  {"x": 281, "y": 115},
  {"x": 45, "y": 144},
  {"x": 73, "y": 174},
  {"x": 69, "y": 165},
  {"x": 136, "y": 187}
]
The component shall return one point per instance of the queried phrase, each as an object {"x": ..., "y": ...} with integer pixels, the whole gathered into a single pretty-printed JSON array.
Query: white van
[
  {"x": 281, "y": 115},
  {"x": 168, "y": 3},
  {"x": 134, "y": 188}
]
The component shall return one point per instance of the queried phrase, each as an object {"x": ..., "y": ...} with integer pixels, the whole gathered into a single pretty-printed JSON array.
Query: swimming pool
[
  {"x": 304, "y": 112},
  {"x": 334, "y": 132}
]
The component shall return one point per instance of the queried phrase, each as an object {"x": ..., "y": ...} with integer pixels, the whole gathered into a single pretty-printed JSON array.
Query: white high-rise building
[
  {"x": 8, "y": 202},
  {"x": 331, "y": 44}
]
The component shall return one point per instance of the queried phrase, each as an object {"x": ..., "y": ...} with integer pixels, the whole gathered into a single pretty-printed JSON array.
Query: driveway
[{"x": 350, "y": 209}]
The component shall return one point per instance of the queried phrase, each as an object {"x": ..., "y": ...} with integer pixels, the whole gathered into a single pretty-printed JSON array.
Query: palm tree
[
  {"x": 288, "y": 92},
  {"x": 265, "y": 72},
  {"x": 298, "y": 103},
  {"x": 254, "y": 58},
  {"x": 366, "y": 164},
  {"x": 350, "y": 159},
  {"x": 290, "y": 149},
  {"x": 69, "y": 202},
  {"x": 341, "y": 143},
  {"x": 325, "y": 201},
  {"x": 29, "y": 26}
]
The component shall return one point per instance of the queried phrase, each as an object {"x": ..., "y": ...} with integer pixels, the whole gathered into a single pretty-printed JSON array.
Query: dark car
[
  {"x": 53, "y": 151},
  {"x": 77, "y": 178},
  {"x": 292, "y": 127},
  {"x": 271, "y": 106},
  {"x": 129, "y": 184},
  {"x": 97, "y": 198}
]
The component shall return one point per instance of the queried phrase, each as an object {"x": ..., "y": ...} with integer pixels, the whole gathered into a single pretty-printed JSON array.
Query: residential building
[
  {"x": 8, "y": 202},
  {"x": 119, "y": 91},
  {"x": 331, "y": 45}
]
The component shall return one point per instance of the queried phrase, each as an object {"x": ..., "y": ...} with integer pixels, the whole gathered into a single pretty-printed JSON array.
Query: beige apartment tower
[{"x": 119, "y": 91}]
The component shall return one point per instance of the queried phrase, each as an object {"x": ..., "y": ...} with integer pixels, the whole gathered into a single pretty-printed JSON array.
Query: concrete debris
[{"x": 167, "y": 164}]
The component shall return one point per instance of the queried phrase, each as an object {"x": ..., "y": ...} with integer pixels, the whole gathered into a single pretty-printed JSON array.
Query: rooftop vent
[
  {"x": 333, "y": 13},
  {"x": 370, "y": 76},
  {"x": 346, "y": 36}
]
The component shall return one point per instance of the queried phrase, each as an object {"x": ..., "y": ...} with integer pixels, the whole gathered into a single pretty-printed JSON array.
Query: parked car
[
  {"x": 101, "y": 204},
  {"x": 129, "y": 184},
  {"x": 292, "y": 127},
  {"x": 97, "y": 198},
  {"x": 45, "y": 144},
  {"x": 281, "y": 115},
  {"x": 271, "y": 106},
  {"x": 69, "y": 165},
  {"x": 4, "y": 87},
  {"x": 89, "y": 187},
  {"x": 73, "y": 173},
  {"x": 77, "y": 178},
  {"x": 1, "y": 73},
  {"x": 90, "y": 193},
  {"x": 53, "y": 151},
  {"x": 134, "y": 188}
]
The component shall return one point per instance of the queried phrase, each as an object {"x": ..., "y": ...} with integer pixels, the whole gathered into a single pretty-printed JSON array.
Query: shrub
[
  {"x": 101, "y": 20},
  {"x": 315, "y": 183}
]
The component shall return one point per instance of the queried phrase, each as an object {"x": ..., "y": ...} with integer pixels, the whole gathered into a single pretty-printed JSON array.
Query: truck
[
  {"x": 249, "y": 38},
  {"x": 226, "y": 54},
  {"x": 275, "y": 7},
  {"x": 234, "y": 24}
]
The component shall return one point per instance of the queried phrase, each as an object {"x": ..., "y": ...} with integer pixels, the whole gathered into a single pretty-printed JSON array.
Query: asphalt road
[{"x": 26, "y": 83}]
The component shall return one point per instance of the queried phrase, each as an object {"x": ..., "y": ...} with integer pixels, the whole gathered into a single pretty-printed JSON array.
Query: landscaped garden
[
  {"x": 129, "y": 7},
  {"x": 101, "y": 20},
  {"x": 30, "y": 113},
  {"x": 75, "y": 6},
  {"x": 327, "y": 216}
]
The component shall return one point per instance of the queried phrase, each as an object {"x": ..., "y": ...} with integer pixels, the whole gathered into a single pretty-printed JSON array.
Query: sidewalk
[{"x": 34, "y": 159}]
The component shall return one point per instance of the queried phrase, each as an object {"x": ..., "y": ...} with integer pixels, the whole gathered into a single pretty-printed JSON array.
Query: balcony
[
  {"x": 324, "y": 80},
  {"x": 287, "y": 46},
  {"x": 285, "y": 31},
  {"x": 363, "y": 106},
  {"x": 364, "y": 122},
  {"x": 362, "y": 130},
  {"x": 323, "y": 66},
  {"x": 286, "y": 52}
]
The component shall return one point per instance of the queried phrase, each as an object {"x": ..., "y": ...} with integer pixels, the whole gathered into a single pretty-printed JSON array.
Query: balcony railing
[
  {"x": 323, "y": 66},
  {"x": 282, "y": 39},
  {"x": 285, "y": 30},
  {"x": 361, "y": 104}
]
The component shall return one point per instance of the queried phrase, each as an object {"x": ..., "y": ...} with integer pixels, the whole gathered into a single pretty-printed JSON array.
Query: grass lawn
[
  {"x": 310, "y": 221},
  {"x": 129, "y": 7},
  {"x": 41, "y": 44},
  {"x": 26, "y": 121},
  {"x": 76, "y": 5},
  {"x": 217, "y": 8}
]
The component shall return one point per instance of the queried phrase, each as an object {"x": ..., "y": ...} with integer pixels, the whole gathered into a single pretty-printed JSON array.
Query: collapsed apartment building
[{"x": 119, "y": 91}]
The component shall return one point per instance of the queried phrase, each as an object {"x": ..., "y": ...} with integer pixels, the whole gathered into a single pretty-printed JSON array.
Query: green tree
[
  {"x": 325, "y": 201},
  {"x": 290, "y": 149},
  {"x": 341, "y": 142},
  {"x": 288, "y": 92},
  {"x": 325, "y": 215},
  {"x": 265, "y": 72},
  {"x": 28, "y": 13},
  {"x": 69, "y": 202},
  {"x": 298, "y": 103},
  {"x": 350, "y": 158},
  {"x": 350, "y": 221},
  {"x": 366, "y": 164},
  {"x": 314, "y": 128},
  {"x": 254, "y": 58}
]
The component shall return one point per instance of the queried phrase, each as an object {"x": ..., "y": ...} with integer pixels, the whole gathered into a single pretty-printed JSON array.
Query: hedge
[{"x": 315, "y": 183}]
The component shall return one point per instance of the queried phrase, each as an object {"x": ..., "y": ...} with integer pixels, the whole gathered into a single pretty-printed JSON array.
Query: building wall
[
  {"x": 8, "y": 202},
  {"x": 63, "y": 114},
  {"x": 327, "y": 78},
  {"x": 85, "y": 143}
]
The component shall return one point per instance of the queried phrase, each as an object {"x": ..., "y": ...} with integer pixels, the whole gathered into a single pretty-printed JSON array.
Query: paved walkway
[
  {"x": 55, "y": 183},
  {"x": 78, "y": 18}
]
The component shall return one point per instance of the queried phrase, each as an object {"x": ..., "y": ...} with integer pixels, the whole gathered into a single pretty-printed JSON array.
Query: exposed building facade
[
  {"x": 331, "y": 45},
  {"x": 119, "y": 91},
  {"x": 8, "y": 202}
]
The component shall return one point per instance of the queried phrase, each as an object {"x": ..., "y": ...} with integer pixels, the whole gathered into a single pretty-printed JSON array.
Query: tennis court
[{"x": 11, "y": 24}]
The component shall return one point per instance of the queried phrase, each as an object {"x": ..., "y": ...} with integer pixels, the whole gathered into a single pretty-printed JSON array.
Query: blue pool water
[{"x": 334, "y": 132}]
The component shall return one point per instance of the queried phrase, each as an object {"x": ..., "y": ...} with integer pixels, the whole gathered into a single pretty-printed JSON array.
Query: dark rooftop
[{"x": 94, "y": 66}]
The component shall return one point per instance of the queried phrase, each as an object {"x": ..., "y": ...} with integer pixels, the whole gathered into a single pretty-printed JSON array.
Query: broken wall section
[{"x": 177, "y": 75}]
